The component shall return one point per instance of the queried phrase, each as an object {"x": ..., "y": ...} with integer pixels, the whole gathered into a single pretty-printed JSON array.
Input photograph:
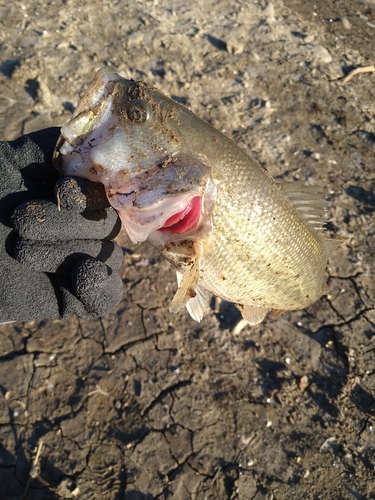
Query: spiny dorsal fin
[{"x": 308, "y": 201}]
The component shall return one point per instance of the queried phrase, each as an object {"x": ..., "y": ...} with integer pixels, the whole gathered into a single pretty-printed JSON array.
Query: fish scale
[
  {"x": 248, "y": 240},
  {"x": 244, "y": 257}
]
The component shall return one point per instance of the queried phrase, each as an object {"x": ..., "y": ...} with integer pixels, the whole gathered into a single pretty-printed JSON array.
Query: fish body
[{"x": 226, "y": 225}]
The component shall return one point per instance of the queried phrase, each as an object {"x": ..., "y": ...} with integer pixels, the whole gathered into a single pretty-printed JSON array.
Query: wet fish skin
[{"x": 257, "y": 243}]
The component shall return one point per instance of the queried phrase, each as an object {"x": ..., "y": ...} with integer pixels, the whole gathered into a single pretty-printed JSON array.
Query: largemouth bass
[{"x": 225, "y": 224}]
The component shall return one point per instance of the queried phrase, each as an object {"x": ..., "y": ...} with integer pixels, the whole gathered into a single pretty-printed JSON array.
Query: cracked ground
[{"x": 144, "y": 404}]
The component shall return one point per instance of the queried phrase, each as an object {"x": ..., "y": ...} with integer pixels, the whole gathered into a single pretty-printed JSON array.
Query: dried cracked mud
[{"x": 143, "y": 404}]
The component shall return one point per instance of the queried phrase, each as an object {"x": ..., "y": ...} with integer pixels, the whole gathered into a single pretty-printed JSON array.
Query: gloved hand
[{"x": 62, "y": 260}]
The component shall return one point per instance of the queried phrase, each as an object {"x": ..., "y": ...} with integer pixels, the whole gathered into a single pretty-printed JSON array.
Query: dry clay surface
[{"x": 144, "y": 404}]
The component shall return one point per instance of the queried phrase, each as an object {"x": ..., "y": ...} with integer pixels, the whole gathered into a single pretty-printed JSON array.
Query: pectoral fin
[
  {"x": 197, "y": 305},
  {"x": 254, "y": 315},
  {"x": 188, "y": 287}
]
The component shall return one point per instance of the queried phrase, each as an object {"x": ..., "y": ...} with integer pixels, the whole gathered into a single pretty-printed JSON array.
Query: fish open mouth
[
  {"x": 165, "y": 202},
  {"x": 185, "y": 219},
  {"x": 172, "y": 215}
]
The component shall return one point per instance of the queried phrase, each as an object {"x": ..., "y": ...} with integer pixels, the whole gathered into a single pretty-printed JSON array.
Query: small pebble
[
  {"x": 345, "y": 23},
  {"x": 304, "y": 382}
]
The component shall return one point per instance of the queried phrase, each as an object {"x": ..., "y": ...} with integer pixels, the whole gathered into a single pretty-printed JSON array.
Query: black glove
[{"x": 66, "y": 262}]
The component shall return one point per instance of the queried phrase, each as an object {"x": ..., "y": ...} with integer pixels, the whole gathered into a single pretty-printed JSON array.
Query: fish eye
[{"x": 139, "y": 111}]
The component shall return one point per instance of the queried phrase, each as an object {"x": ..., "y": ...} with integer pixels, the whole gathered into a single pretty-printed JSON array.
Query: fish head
[{"x": 132, "y": 138}]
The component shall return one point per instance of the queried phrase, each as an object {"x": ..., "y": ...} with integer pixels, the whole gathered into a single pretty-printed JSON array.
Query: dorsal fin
[{"x": 308, "y": 201}]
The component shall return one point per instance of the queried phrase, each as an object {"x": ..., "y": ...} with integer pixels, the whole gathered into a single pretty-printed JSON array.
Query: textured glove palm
[{"x": 62, "y": 260}]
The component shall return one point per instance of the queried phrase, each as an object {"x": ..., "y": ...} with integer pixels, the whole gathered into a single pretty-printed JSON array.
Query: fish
[{"x": 219, "y": 218}]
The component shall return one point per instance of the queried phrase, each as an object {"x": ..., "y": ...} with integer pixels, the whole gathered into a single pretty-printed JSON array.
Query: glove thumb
[{"x": 97, "y": 286}]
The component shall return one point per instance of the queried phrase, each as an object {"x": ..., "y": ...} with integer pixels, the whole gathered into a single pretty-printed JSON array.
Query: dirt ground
[{"x": 144, "y": 404}]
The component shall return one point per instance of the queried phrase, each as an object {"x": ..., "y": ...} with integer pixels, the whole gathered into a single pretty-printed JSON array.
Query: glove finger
[
  {"x": 60, "y": 258},
  {"x": 26, "y": 295},
  {"x": 41, "y": 220},
  {"x": 80, "y": 195},
  {"x": 97, "y": 286}
]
